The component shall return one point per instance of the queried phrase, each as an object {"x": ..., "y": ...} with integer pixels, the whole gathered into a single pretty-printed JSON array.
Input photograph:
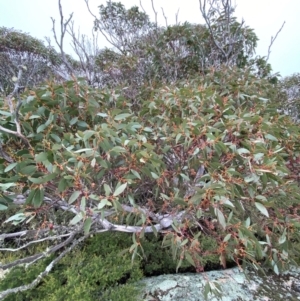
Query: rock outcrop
[{"x": 235, "y": 286}]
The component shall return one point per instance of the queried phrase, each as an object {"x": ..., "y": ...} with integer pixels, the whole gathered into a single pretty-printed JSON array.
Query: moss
[{"x": 95, "y": 271}]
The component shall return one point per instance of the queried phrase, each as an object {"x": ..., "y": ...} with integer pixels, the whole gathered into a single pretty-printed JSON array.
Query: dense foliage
[{"x": 99, "y": 152}]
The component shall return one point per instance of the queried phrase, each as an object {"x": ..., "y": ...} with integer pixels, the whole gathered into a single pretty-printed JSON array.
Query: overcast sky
[{"x": 264, "y": 16}]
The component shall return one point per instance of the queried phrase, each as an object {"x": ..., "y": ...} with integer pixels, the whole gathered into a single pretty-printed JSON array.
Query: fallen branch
[
  {"x": 35, "y": 242},
  {"x": 30, "y": 259},
  {"x": 48, "y": 269}
]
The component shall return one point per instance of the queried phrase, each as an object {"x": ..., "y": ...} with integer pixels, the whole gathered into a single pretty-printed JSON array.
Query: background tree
[
  {"x": 289, "y": 98},
  {"x": 20, "y": 49}
]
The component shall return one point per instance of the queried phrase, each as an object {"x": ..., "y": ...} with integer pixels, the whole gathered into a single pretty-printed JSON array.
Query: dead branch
[
  {"x": 176, "y": 17},
  {"x": 273, "y": 40},
  {"x": 30, "y": 259},
  {"x": 63, "y": 30},
  {"x": 55, "y": 237},
  {"x": 48, "y": 269},
  {"x": 165, "y": 17},
  {"x": 15, "y": 112},
  {"x": 155, "y": 13},
  {"x": 216, "y": 9},
  {"x": 112, "y": 40}
]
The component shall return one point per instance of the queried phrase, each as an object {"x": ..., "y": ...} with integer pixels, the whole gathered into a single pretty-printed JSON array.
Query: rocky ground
[{"x": 234, "y": 284}]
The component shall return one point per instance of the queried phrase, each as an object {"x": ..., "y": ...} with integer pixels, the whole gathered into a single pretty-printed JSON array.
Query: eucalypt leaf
[{"x": 120, "y": 189}]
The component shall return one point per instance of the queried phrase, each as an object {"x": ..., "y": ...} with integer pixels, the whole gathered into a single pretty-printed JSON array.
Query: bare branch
[
  {"x": 273, "y": 40},
  {"x": 34, "y": 242},
  {"x": 63, "y": 29},
  {"x": 176, "y": 17},
  {"x": 165, "y": 17},
  {"x": 15, "y": 111},
  {"x": 141, "y": 5},
  {"x": 111, "y": 41},
  {"x": 30, "y": 259},
  {"x": 155, "y": 13}
]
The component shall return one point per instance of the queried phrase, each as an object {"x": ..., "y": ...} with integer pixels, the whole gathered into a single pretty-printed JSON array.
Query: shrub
[{"x": 205, "y": 160}]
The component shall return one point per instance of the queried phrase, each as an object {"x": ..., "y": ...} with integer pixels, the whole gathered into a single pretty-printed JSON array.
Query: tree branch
[
  {"x": 273, "y": 40},
  {"x": 63, "y": 29}
]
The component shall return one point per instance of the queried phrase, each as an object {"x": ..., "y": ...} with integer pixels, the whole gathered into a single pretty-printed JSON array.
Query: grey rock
[{"x": 235, "y": 286}]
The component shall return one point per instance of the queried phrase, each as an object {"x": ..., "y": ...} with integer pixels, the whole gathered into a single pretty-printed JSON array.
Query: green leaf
[
  {"x": 41, "y": 157},
  {"x": 73, "y": 120},
  {"x": 41, "y": 128},
  {"x": 38, "y": 198},
  {"x": 74, "y": 196},
  {"x": 262, "y": 209},
  {"x": 18, "y": 218},
  {"x": 118, "y": 206},
  {"x": 227, "y": 237},
  {"x": 261, "y": 198},
  {"x": 118, "y": 149},
  {"x": 10, "y": 166},
  {"x": 154, "y": 175},
  {"x": 83, "y": 150},
  {"x": 104, "y": 115},
  {"x": 282, "y": 239},
  {"x": 107, "y": 189},
  {"x": 242, "y": 151},
  {"x": 82, "y": 124},
  {"x": 271, "y": 137},
  {"x": 42, "y": 180},
  {"x": 147, "y": 129},
  {"x": 102, "y": 203},
  {"x": 120, "y": 189},
  {"x": 88, "y": 134},
  {"x": 28, "y": 170},
  {"x": 189, "y": 258},
  {"x": 55, "y": 138},
  {"x": 136, "y": 174},
  {"x": 77, "y": 218},
  {"x": 5, "y": 186},
  {"x": 220, "y": 217},
  {"x": 62, "y": 185},
  {"x": 122, "y": 116},
  {"x": 178, "y": 136},
  {"x": 87, "y": 225},
  {"x": 3, "y": 207}
]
